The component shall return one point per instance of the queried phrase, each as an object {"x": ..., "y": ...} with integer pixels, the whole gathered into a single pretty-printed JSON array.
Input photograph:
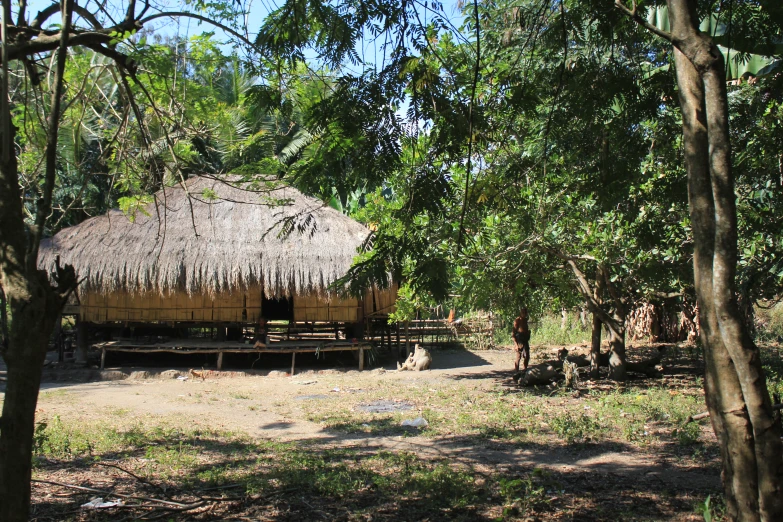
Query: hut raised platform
[
  {"x": 197, "y": 346},
  {"x": 244, "y": 260}
]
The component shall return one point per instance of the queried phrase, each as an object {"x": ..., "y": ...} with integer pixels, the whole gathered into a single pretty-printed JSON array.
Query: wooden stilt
[
  {"x": 220, "y": 361},
  {"x": 103, "y": 358},
  {"x": 293, "y": 362},
  {"x": 361, "y": 359}
]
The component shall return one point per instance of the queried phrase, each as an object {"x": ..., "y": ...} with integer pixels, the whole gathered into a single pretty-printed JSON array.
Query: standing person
[{"x": 521, "y": 335}]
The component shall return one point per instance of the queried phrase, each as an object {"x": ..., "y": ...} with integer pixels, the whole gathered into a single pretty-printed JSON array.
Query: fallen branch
[
  {"x": 140, "y": 479},
  {"x": 227, "y": 486},
  {"x": 105, "y": 493},
  {"x": 271, "y": 494},
  {"x": 704, "y": 415}
]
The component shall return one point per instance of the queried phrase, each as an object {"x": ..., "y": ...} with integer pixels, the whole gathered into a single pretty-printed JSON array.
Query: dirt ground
[{"x": 600, "y": 479}]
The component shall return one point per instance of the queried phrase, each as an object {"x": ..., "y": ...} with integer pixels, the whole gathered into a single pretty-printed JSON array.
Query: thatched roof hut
[
  {"x": 210, "y": 239},
  {"x": 211, "y": 236}
]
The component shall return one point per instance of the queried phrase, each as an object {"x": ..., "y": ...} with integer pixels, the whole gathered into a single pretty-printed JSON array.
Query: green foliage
[
  {"x": 688, "y": 434},
  {"x": 575, "y": 428},
  {"x": 710, "y": 510},
  {"x": 772, "y": 359},
  {"x": 705, "y": 509},
  {"x": 520, "y": 495},
  {"x": 548, "y": 330},
  {"x": 130, "y": 206}
]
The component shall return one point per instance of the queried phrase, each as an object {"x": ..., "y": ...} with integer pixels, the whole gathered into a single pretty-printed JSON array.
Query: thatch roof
[{"x": 212, "y": 237}]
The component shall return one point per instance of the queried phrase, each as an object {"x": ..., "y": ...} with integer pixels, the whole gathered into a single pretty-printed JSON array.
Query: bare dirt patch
[{"x": 275, "y": 447}]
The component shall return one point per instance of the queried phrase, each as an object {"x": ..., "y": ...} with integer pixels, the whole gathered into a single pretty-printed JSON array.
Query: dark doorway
[{"x": 281, "y": 309}]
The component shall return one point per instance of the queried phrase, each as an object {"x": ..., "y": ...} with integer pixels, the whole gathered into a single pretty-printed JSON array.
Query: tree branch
[
  {"x": 22, "y": 12},
  {"x": 43, "y": 15},
  {"x": 204, "y": 19},
  {"x": 471, "y": 110},
  {"x": 633, "y": 15},
  {"x": 52, "y": 130},
  {"x": 583, "y": 285}
]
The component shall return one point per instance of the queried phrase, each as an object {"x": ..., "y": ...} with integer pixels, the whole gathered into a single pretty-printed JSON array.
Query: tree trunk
[
  {"x": 617, "y": 354},
  {"x": 615, "y": 321},
  {"x": 595, "y": 341},
  {"x": 35, "y": 304},
  {"x": 595, "y": 348},
  {"x": 617, "y": 329},
  {"x": 735, "y": 386},
  {"x": 28, "y": 344}
]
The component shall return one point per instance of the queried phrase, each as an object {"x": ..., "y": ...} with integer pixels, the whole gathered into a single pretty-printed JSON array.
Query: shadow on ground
[{"x": 452, "y": 478}]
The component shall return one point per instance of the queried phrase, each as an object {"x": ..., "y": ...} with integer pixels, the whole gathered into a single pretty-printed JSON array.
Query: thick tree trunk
[
  {"x": 595, "y": 341},
  {"x": 35, "y": 304},
  {"x": 29, "y": 331},
  {"x": 617, "y": 370},
  {"x": 735, "y": 387},
  {"x": 595, "y": 348}
]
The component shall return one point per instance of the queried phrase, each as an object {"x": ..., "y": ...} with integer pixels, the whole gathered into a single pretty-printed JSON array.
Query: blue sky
[{"x": 257, "y": 10}]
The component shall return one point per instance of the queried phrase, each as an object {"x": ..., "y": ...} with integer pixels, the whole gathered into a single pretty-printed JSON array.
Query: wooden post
[
  {"x": 293, "y": 362},
  {"x": 399, "y": 345},
  {"x": 407, "y": 338},
  {"x": 361, "y": 358},
  {"x": 220, "y": 361},
  {"x": 103, "y": 357},
  {"x": 60, "y": 339},
  {"x": 80, "y": 357}
]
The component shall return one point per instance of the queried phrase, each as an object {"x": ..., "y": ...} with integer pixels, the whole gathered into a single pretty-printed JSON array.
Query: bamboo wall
[
  {"x": 380, "y": 302},
  {"x": 314, "y": 308},
  {"x": 235, "y": 307},
  {"x": 153, "y": 307}
]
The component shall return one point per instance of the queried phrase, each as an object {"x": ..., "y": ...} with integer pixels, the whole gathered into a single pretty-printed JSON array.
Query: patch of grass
[
  {"x": 711, "y": 510},
  {"x": 175, "y": 457},
  {"x": 687, "y": 434},
  {"x": 522, "y": 494},
  {"x": 769, "y": 322},
  {"x": 772, "y": 360},
  {"x": 54, "y": 438},
  {"x": 575, "y": 427},
  {"x": 635, "y": 412},
  {"x": 635, "y": 415},
  {"x": 52, "y": 394},
  {"x": 548, "y": 329}
]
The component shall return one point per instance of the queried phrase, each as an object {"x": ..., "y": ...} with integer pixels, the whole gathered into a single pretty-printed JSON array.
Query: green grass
[
  {"x": 772, "y": 359},
  {"x": 194, "y": 460},
  {"x": 546, "y": 330},
  {"x": 635, "y": 415},
  {"x": 769, "y": 322}
]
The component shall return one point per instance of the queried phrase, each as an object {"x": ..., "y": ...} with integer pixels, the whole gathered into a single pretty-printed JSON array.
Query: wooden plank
[
  {"x": 220, "y": 361},
  {"x": 158, "y": 349},
  {"x": 293, "y": 362}
]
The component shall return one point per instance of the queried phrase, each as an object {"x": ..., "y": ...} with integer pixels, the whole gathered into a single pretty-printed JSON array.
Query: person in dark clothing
[{"x": 521, "y": 335}]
